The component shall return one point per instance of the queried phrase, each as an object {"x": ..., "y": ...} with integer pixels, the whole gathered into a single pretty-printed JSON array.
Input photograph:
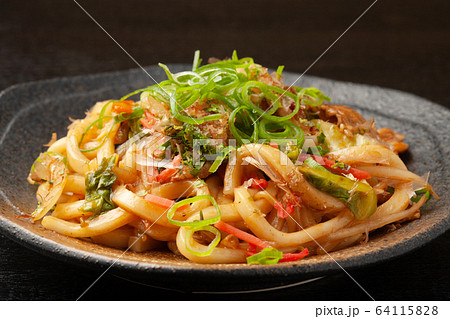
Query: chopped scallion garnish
[
  {"x": 191, "y": 200},
  {"x": 220, "y": 159},
  {"x": 208, "y": 249},
  {"x": 419, "y": 194},
  {"x": 267, "y": 256}
]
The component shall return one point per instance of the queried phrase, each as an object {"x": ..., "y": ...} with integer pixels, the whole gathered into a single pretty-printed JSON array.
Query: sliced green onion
[
  {"x": 268, "y": 94},
  {"x": 137, "y": 113},
  {"x": 189, "y": 119},
  {"x": 247, "y": 60},
  {"x": 208, "y": 249},
  {"x": 390, "y": 190},
  {"x": 222, "y": 82},
  {"x": 237, "y": 133},
  {"x": 267, "y": 256},
  {"x": 281, "y": 130},
  {"x": 419, "y": 194},
  {"x": 271, "y": 130},
  {"x": 223, "y": 79},
  {"x": 265, "y": 89},
  {"x": 166, "y": 69},
  {"x": 188, "y": 78},
  {"x": 279, "y": 70},
  {"x": 234, "y": 56},
  {"x": 317, "y": 96},
  {"x": 87, "y": 130},
  {"x": 186, "y": 201},
  {"x": 134, "y": 93},
  {"x": 228, "y": 101},
  {"x": 160, "y": 92},
  {"x": 220, "y": 158},
  {"x": 102, "y": 114},
  {"x": 178, "y": 77},
  {"x": 186, "y": 96},
  {"x": 197, "y": 61}
]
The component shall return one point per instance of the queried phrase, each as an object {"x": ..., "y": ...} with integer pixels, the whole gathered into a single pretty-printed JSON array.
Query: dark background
[{"x": 398, "y": 44}]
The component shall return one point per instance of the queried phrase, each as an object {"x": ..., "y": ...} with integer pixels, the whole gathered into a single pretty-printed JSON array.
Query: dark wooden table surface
[{"x": 398, "y": 44}]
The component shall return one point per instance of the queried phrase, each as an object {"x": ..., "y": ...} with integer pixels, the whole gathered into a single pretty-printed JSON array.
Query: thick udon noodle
[
  {"x": 112, "y": 181},
  {"x": 322, "y": 223}
]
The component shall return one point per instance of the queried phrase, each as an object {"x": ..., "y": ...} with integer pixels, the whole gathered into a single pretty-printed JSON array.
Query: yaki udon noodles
[{"x": 225, "y": 164}]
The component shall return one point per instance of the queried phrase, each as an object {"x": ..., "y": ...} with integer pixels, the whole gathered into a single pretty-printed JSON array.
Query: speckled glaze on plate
[{"x": 30, "y": 112}]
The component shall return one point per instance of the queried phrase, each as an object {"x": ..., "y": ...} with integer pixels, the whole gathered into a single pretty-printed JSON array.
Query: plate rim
[{"x": 90, "y": 259}]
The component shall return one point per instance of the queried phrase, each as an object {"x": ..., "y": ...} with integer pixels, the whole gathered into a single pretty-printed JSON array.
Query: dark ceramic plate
[{"x": 31, "y": 112}]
